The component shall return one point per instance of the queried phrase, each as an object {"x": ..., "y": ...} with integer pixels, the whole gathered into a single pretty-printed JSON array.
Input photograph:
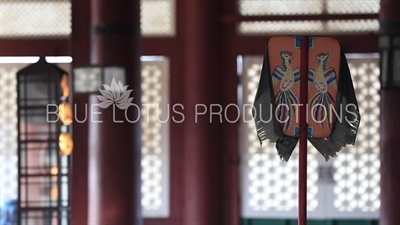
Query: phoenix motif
[
  {"x": 286, "y": 76},
  {"x": 321, "y": 77}
]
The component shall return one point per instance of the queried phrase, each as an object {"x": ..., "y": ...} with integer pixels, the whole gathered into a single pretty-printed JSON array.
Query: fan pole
[{"x": 302, "y": 216}]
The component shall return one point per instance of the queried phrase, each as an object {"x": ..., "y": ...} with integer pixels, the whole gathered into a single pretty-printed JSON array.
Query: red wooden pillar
[
  {"x": 80, "y": 52},
  {"x": 390, "y": 123},
  {"x": 202, "y": 140},
  {"x": 79, "y": 184},
  {"x": 114, "y": 147},
  {"x": 230, "y": 134},
  {"x": 390, "y": 158}
]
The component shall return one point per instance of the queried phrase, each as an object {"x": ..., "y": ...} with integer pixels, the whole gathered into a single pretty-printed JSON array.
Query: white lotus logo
[{"x": 116, "y": 94}]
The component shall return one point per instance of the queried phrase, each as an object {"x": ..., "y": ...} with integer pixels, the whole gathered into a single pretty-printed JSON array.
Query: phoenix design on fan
[
  {"x": 322, "y": 77},
  {"x": 287, "y": 77}
]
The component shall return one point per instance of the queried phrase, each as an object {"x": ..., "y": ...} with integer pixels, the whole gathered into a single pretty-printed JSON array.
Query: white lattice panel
[
  {"x": 157, "y": 17},
  {"x": 273, "y": 183},
  {"x": 8, "y": 178},
  {"x": 30, "y": 18},
  {"x": 352, "y": 6},
  {"x": 356, "y": 191},
  {"x": 35, "y": 18},
  {"x": 8, "y": 110},
  {"x": 280, "y": 7},
  {"x": 269, "y": 186},
  {"x": 348, "y": 26},
  {"x": 8, "y": 133},
  {"x": 155, "y": 138},
  {"x": 307, "y": 27},
  {"x": 260, "y": 27},
  {"x": 356, "y": 177},
  {"x": 87, "y": 80},
  {"x": 303, "y": 7}
]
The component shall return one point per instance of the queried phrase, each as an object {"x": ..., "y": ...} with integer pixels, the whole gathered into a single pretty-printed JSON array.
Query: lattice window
[
  {"x": 308, "y": 27},
  {"x": 157, "y": 17},
  {"x": 345, "y": 187},
  {"x": 39, "y": 18},
  {"x": 356, "y": 179},
  {"x": 352, "y": 6},
  {"x": 155, "y": 137},
  {"x": 8, "y": 133},
  {"x": 307, "y": 7},
  {"x": 276, "y": 27},
  {"x": 155, "y": 133},
  {"x": 89, "y": 82},
  {"x": 35, "y": 18},
  {"x": 280, "y": 7}
]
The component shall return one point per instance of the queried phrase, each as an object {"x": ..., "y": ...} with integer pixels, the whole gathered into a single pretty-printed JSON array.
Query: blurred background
[{"x": 204, "y": 52}]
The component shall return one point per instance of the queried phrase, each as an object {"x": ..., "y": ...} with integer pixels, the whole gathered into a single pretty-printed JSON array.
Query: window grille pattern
[
  {"x": 157, "y": 17},
  {"x": 89, "y": 82},
  {"x": 308, "y": 7},
  {"x": 357, "y": 178},
  {"x": 273, "y": 184},
  {"x": 304, "y": 7},
  {"x": 49, "y": 18},
  {"x": 276, "y": 27},
  {"x": 280, "y": 7},
  {"x": 8, "y": 111},
  {"x": 8, "y": 134},
  {"x": 307, "y": 27},
  {"x": 269, "y": 186},
  {"x": 352, "y": 6},
  {"x": 343, "y": 26},
  {"x": 8, "y": 178},
  {"x": 35, "y": 18},
  {"x": 357, "y": 174},
  {"x": 155, "y": 138}
]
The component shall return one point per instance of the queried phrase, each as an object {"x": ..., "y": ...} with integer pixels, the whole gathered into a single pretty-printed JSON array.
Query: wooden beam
[
  {"x": 235, "y": 18},
  {"x": 34, "y": 47}
]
